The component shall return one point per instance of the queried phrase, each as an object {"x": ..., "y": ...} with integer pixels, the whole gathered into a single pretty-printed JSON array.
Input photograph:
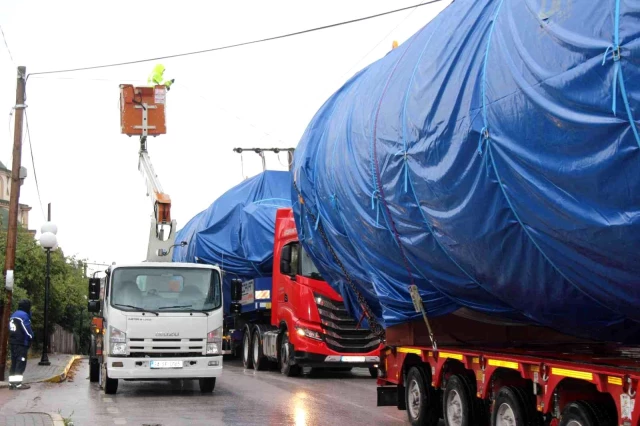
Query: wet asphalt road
[{"x": 241, "y": 397}]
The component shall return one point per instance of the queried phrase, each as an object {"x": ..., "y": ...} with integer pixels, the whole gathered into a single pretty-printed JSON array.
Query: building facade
[{"x": 5, "y": 192}]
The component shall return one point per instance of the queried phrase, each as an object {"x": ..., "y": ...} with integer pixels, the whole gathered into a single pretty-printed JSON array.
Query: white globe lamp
[
  {"x": 48, "y": 240},
  {"x": 49, "y": 227}
]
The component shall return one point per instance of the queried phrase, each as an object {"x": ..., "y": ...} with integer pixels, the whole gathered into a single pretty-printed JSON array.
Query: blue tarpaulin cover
[
  {"x": 236, "y": 232},
  {"x": 493, "y": 160}
]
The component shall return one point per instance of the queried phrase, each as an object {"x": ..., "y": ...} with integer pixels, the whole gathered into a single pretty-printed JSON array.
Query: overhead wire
[
  {"x": 231, "y": 46},
  {"x": 33, "y": 164},
  {"x": 381, "y": 40},
  {"x": 7, "y": 45}
]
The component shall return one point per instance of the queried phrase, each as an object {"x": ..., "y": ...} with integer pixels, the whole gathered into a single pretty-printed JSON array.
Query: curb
[
  {"x": 57, "y": 419},
  {"x": 63, "y": 376}
]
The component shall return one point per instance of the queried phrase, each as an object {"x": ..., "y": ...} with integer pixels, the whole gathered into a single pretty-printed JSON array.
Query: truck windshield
[
  {"x": 307, "y": 268},
  {"x": 165, "y": 289}
]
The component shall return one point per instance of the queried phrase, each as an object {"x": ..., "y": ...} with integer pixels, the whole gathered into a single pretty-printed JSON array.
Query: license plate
[
  {"x": 165, "y": 364},
  {"x": 352, "y": 359}
]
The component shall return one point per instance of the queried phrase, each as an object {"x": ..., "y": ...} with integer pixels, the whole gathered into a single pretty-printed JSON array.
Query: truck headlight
[
  {"x": 312, "y": 334},
  {"x": 214, "y": 342},
  {"x": 117, "y": 341},
  {"x": 118, "y": 349}
]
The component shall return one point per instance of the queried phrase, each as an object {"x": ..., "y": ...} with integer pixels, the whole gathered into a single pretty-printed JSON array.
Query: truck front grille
[
  {"x": 166, "y": 347},
  {"x": 342, "y": 333}
]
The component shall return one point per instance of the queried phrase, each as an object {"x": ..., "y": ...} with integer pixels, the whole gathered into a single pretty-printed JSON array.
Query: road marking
[
  {"x": 341, "y": 400},
  {"x": 113, "y": 410},
  {"x": 120, "y": 421},
  {"x": 391, "y": 417},
  {"x": 107, "y": 400}
]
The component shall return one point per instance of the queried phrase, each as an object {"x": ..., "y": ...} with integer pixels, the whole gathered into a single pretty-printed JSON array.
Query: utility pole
[
  {"x": 261, "y": 151},
  {"x": 12, "y": 230}
]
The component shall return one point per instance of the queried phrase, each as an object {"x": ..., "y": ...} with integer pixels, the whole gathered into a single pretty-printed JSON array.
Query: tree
[{"x": 68, "y": 285}]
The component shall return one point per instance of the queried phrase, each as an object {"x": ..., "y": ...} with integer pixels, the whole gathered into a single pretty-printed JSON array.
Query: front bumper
[
  {"x": 307, "y": 359},
  {"x": 138, "y": 368}
]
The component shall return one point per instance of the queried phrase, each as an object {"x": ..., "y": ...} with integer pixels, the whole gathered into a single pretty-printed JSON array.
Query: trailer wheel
[
  {"x": 585, "y": 413},
  {"x": 247, "y": 360},
  {"x": 459, "y": 403},
  {"x": 259, "y": 360},
  {"x": 515, "y": 406},
  {"x": 420, "y": 399},
  {"x": 287, "y": 367},
  {"x": 207, "y": 385},
  {"x": 94, "y": 370}
]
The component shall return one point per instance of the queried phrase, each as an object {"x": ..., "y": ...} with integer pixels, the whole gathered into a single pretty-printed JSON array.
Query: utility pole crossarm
[{"x": 261, "y": 151}]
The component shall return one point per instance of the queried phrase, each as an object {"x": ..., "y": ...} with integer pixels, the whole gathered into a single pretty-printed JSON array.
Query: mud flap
[{"x": 391, "y": 396}]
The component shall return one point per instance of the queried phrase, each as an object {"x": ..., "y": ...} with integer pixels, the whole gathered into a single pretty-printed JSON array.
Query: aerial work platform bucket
[{"x": 142, "y": 110}]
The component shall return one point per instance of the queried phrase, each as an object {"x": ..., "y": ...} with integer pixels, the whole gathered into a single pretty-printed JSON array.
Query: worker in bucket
[
  {"x": 156, "y": 78},
  {"x": 20, "y": 337}
]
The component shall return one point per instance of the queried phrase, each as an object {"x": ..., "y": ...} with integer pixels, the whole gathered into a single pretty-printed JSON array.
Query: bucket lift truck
[{"x": 155, "y": 320}]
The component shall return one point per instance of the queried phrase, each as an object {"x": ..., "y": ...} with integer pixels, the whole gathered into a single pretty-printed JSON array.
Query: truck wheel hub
[{"x": 415, "y": 399}]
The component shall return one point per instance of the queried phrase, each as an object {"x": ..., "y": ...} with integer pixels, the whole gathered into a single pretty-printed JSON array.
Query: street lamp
[{"x": 48, "y": 241}]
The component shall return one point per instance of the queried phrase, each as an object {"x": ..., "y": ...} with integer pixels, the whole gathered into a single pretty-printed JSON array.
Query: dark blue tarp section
[
  {"x": 185, "y": 254},
  {"x": 492, "y": 160},
  {"x": 236, "y": 232}
]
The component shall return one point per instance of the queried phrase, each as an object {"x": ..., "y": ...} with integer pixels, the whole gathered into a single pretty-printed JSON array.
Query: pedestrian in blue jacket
[{"x": 20, "y": 336}]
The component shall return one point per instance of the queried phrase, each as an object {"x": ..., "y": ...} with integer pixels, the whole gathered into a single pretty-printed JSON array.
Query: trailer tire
[
  {"x": 94, "y": 371},
  {"x": 587, "y": 413},
  {"x": 515, "y": 405},
  {"x": 421, "y": 399},
  {"x": 247, "y": 359},
  {"x": 287, "y": 367},
  {"x": 207, "y": 385},
  {"x": 260, "y": 361},
  {"x": 459, "y": 404}
]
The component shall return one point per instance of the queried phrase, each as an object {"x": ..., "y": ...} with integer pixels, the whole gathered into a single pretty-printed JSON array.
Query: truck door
[{"x": 285, "y": 276}]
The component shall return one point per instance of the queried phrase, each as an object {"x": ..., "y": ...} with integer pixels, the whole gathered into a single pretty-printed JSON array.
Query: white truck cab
[{"x": 160, "y": 320}]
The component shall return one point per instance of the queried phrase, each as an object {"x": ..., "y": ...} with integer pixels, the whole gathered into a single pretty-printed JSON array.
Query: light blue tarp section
[
  {"x": 236, "y": 232},
  {"x": 492, "y": 160}
]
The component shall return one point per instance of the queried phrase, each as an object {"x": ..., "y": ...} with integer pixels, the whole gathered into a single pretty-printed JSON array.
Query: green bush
[{"x": 68, "y": 306}]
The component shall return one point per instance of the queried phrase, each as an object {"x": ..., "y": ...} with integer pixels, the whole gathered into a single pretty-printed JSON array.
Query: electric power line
[
  {"x": 380, "y": 42},
  {"x": 230, "y": 46},
  {"x": 33, "y": 163},
  {"x": 7, "y": 45}
]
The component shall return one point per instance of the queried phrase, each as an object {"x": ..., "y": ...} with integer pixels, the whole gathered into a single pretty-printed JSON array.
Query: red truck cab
[{"x": 309, "y": 324}]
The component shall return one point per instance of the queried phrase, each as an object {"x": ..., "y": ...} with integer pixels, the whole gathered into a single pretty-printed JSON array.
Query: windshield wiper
[
  {"x": 185, "y": 306},
  {"x": 136, "y": 307}
]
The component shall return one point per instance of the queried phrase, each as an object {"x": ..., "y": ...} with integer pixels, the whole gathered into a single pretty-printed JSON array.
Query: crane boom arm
[
  {"x": 160, "y": 201},
  {"x": 160, "y": 241}
]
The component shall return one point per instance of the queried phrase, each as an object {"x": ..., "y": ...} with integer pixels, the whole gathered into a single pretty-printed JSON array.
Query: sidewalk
[
  {"x": 55, "y": 373},
  {"x": 32, "y": 419}
]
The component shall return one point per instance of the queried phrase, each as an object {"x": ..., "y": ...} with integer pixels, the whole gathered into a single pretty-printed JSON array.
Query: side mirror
[
  {"x": 285, "y": 254},
  {"x": 285, "y": 260},
  {"x": 94, "y": 288},
  {"x": 93, "y": 306},
  {"x": 285, "y": 267},
  {"x": 236, "y": 290},
  {"x": 236, "y": 308}
]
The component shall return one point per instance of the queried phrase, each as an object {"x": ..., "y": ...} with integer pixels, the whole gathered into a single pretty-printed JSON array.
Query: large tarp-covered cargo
[
  {"x": 493, "y": 160},
  {"x": 236, "y": 232}
]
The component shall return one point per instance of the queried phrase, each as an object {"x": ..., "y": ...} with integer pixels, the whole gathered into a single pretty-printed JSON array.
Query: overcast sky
[{"x": 262, "y": 95}]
